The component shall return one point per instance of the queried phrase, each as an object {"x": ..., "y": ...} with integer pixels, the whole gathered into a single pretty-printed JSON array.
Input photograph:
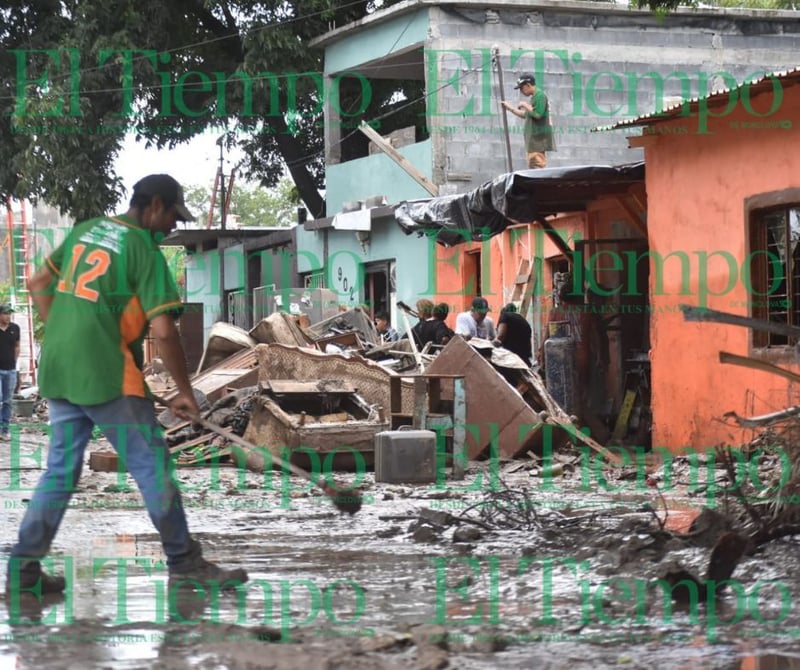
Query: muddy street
[{"x": 422, "y": 577}]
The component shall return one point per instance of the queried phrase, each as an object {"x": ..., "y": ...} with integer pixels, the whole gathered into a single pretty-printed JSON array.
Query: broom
[{"x": 350, "y": 503}]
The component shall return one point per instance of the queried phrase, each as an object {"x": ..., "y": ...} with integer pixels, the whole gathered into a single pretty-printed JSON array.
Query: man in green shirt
[
  {"x": 538, "y": 129},
  {"x": 98, "y": 294}
]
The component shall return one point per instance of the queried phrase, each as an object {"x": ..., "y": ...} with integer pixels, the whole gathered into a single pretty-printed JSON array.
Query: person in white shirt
[{"x": 476, "y": 322}]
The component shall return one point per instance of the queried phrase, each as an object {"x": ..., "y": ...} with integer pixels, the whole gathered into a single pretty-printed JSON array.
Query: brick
[{"x": 104, "y": 461}]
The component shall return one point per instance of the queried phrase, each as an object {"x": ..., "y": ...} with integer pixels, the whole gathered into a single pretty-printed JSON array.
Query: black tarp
[{"x": 518, "y": 197}]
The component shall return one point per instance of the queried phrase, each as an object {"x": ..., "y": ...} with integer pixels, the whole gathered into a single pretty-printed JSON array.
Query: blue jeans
[
  {"x": 129, "y": 424},
  {"x": 8, "y": 384}
]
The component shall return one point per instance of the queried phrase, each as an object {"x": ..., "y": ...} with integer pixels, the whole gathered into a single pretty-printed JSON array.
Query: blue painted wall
[
  {"x": 373, "y": 42},
  {"x": 346, "y": 258},
  {"x": 203, "y": 285},
  {"x": 377, "y": 175}
]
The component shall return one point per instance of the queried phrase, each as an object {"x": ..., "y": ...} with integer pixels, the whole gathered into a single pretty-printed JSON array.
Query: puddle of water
[{"x": 321, "y": 575}]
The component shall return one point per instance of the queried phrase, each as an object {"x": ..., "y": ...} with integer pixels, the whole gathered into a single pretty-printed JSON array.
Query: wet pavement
[{"x": 386, "y": 588}]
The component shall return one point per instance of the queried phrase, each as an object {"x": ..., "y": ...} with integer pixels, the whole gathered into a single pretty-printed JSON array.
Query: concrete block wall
[{"x": 469, "y": 145}]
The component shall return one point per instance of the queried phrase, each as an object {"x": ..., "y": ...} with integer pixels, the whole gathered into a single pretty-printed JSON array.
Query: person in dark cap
[
  {"x": 475, "y": 322},
  {"x": 538, "y": 129},
  {"x": 514, "y": 333},
  {"x": 9, "y": 353},
  {"x": 98, "y": 294}
]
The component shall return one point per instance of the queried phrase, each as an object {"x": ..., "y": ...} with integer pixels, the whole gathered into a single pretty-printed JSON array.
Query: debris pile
[{"x": 306, "y": 392}]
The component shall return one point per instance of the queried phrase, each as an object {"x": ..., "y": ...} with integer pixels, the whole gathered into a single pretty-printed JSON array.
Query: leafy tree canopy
[
  {"x": 76, "y": 76},
  {"x": 262, "y": 207}
]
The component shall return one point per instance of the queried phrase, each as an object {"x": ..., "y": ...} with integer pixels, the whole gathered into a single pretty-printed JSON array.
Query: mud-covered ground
[{"x": 554, "y": 568}]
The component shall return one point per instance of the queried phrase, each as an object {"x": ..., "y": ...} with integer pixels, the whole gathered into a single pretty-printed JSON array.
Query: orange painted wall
[
  {"x": 500, "y": 259},
  {"x": 696, "y": 188}
]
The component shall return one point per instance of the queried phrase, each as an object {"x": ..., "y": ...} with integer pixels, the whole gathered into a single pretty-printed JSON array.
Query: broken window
[{"x": 775, "y": 270}]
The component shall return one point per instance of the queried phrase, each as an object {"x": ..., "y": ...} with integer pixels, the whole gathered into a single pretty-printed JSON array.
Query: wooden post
[{"x": 398, "y": 158}]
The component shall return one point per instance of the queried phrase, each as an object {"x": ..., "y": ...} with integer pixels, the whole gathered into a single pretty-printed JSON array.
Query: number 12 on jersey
[{"x": 98, "y": 261}]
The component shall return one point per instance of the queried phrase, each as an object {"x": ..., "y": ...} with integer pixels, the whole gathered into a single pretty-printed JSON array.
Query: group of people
[
  {"x": 431, "y": 326},
  {"x": 513, "y": 331}
]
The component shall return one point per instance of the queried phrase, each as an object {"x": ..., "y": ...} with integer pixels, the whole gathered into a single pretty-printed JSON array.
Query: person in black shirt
[
  {"x": 443, "y": 332},
  {"x": 514, "y": 333},
  {"x": 9, "y": 353},
  {"x": 423, "y": 331}
]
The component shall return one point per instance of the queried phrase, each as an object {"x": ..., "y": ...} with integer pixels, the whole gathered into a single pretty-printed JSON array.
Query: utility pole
[
  {"x": 223, "y": 199},
  {"x": 220, "y": 248}
]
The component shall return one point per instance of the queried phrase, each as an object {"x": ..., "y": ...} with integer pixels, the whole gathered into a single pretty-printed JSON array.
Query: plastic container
[{"x": 405, "y": 456}]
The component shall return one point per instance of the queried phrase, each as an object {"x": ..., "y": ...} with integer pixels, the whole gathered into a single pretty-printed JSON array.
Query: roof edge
[{"x": 579, "y": 6}]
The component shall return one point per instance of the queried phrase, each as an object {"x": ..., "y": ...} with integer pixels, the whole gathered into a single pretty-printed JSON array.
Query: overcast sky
[{"x": 193, "y": 163}]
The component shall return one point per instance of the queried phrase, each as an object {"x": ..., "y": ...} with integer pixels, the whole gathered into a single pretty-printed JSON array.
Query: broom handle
[{"x": 233, "y": 437}]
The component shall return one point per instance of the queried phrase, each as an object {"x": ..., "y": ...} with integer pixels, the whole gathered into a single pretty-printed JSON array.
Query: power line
[{"x": 194, "y": 45}]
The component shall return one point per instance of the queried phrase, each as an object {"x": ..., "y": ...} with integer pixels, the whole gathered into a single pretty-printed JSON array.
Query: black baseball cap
[
  {"x": 6, "y": 309},
  {"x": 525, "y": 78},
  {"x": 480, "y": 305},
  {"x": 168, "y": 189}
]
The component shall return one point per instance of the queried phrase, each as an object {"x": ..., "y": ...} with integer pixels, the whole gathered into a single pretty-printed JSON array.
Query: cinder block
[{"x": 405, "y": 457}]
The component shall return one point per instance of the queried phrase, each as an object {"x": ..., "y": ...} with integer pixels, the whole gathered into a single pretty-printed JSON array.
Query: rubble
[{"x": 257, "y": 384}]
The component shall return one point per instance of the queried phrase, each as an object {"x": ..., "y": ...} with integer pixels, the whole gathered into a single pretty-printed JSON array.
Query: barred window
[{"x": 775, "y": 270}]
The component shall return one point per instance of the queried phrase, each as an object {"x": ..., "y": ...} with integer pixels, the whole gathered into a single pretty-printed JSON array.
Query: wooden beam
[
  {"x": 555, "y": 238},
  {"x": 755, "y": 364},
  {"x": 632, "y": 215},
  {"x": 691, "y": 313},
  {"x": 398, "y": 158},
  {"x": 638, "y": 192},
  {"x": 765, "y": 419},
  {"x": 639, "y": 141}
]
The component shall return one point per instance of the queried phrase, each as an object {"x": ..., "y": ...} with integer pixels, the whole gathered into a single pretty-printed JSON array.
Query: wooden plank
[
  {"x": 233, "y": 371},
  {"x": 639, "y": 194},
  {"x": 556, "y": 239},
  {"x": 639, "y": 141},
  {"x": 196, "y": 442},
  {"x": 691, "y": 313},
  {"x": 530, "y": 287},
  {"x": 215, "y": 384},
  {"x": 632, "y": 215},
  {"x": 523, "y": 275},
  {"x": 765, "y": 419},
  {"x": 459, "y": 428},
  {"x": 291, "y": 386},
  {"x": 350, "y": 339},
  {"x": 755, "y": 364},
  {"x": 398, "y": 158},
  {"x": 421, "y": 400}
]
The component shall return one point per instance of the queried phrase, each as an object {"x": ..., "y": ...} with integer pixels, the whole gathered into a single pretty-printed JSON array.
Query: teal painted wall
[
  {"x": 203, "y": 285},
  {"x": 345, "y": 254},
  {"x": 377, "y": 175},
  {"x": 373, "y": 42}
]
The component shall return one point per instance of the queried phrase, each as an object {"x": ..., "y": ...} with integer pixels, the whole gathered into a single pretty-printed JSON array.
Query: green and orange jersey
[{"x": 111, "y": 280}]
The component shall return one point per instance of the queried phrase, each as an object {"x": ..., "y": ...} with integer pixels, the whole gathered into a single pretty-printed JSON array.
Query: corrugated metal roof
[{"x": 717, "y": 98}]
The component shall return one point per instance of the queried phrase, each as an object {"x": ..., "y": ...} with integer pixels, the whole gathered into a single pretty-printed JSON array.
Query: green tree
[
  {"x": 167, "y": 71},
  {"x": 254, "y": 206}
]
